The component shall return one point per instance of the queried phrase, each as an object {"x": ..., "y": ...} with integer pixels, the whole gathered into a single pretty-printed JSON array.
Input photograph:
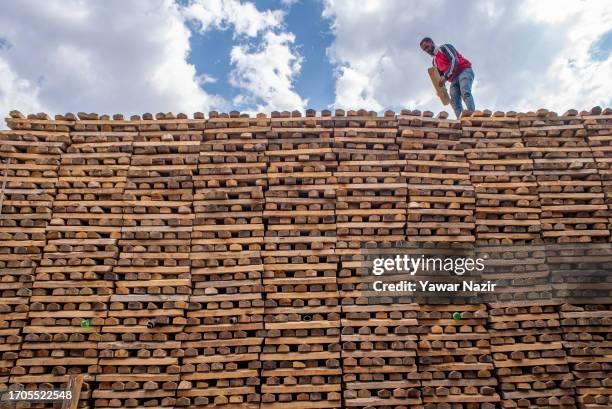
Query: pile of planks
[
  {"x": 139, "y": 364},
  {"x": 441, "y": 198},
  {"x": 530, "y": 362},
  {"x": 224, "y": 331},
  {"x": 48, "y": 275},
  {"x": 587, "y": 338},
  {"x": 598, "y": 125},
  {"x": 379, "y": 344},
  {"x": 226, "y": 261},
  {"x": 301, "y": 352},
  {"x": 371, "y": 196},
  {"x": 501, "y": 171},
  {"x": 569, "y": 185},
  {"x": 454, "y": 357}
]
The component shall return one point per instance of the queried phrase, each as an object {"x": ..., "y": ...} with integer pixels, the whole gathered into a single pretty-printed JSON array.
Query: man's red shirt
[{"x": 449, "y": 62}]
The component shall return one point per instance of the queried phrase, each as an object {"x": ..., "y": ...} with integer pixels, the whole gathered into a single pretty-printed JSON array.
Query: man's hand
[{"x": 442, "y": 81}]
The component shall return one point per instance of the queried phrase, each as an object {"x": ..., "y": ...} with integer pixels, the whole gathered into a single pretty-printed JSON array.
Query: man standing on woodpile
[{"x": 453, "y": 67}]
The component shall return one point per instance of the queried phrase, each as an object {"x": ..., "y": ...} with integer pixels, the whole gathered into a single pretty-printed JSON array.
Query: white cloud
[
  {"x": 243, "y": 17},
  {"x": 526, "y": 55},
  {"x": 289, "y": 3},
  {"x": 131, "y": 56},
  {"x": 16, "y": 92},
  {"x": 266, "y": 74},
  {"x": 106, "y": 57},
  {"x": 574, "y": 78},
  {"x": 264, "y": 61}
]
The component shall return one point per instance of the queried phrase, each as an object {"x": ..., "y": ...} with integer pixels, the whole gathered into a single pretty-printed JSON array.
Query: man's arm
[{"x": 451, "y": 54}]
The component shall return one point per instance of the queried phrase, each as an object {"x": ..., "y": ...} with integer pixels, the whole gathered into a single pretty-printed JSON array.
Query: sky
[{"x": 137, "y": 56}]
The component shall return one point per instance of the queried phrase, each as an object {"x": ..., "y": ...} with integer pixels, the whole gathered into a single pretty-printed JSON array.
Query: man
[{"x": 453, "y": 68}]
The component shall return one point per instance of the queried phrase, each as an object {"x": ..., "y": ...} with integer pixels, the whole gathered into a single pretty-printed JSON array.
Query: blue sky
[
  {"x": 210, "y": 51},
  {"x": 136, "y": 56}
]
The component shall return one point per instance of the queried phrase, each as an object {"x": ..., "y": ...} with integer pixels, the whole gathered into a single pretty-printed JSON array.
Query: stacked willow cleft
[
  {"x": 379, "y": 356},
  {"x": 501, "y": 170},
  {"x": 139, "y": 363},
  {"x": 587, "y": 337},
  {"x": 224, "y": 332},
  {"x": 454, "y": 358},
  {"x": 530, "y": 362},
  {"x": 225, "y": 261},
  {"x": 301, "y": 353},
  {"x": 441, "y": 197},
  {"x": 569, "y": 184}
]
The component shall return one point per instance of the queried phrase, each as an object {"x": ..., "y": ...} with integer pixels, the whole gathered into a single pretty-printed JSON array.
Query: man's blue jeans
[{"x": 461, "y": 88}]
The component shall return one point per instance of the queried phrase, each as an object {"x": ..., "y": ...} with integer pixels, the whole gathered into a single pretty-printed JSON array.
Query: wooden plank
[{"x": 441, "y": 91}]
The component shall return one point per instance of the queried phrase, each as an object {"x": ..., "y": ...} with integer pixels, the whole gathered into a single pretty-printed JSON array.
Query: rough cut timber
[
  {"x": 587, "y": 338},
  {"x": 580, "y": 273},
  {"x": 441, "y": 198},
  {"x": 379, "y": 356},
  {"x": 224, "y": 331},
  {"x": 508, "y": 206},
  {"x": 454, "y": 357},
  {"x": 522, "y": 272},
  {"x": 371, "y": 197},
  {"x": 530, "y": 363},
  {"x": 301, "y": 352},
  {"x": 225, "y": 261},
  {"x": 598, "y": 126},
  {"x": 569, "y": 185}
]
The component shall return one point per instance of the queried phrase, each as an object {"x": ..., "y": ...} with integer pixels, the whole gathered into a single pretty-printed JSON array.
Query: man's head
[{"x": 427, "y": 45}]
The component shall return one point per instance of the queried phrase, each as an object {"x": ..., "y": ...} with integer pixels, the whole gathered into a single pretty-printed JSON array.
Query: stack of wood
[
  {"x": 231, "y": 179},
  {"x": 371, "y": 197},
  {"x": 139, "y": 366},
  {"x": 580, "y": 273},
  {"x": 454, "y": 357},
  {"x": 501, "y": 170},
  {"x": 530, "y": 362},
  {"x": 227, "y": 262},
  {"x": 301, "y": 353},
  {"x": 140, "y": 361},
  {"x": 598, "y": 125},
  {"x": 224, "y": 332},
  {"x": 29, "y": 162},
  {"x": 221, "y": 342},
  {"x": 441, "y": 198},
  {"x": 31, "y": 153},
  {"x": 157, "y": 212},
  {"x": 569, "y": 186},
  {"x": 379, "y": 345},
  {"x": 92, "y": 122},
  {"x": 521, "y": 272},
  {"x": 74, "y": 280},
  {"x": 587, "y": 336},
  {"x": 371, "y": 204},
  {"x": 302, "y": 189},
  {"x": 14, "y": 306}
]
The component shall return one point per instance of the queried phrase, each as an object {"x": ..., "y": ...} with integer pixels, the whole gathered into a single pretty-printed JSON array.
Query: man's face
[{"x": 428, "y": 47}]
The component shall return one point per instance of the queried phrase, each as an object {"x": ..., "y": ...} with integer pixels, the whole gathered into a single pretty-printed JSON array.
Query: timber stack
[
  {"x": 441, "y": 197},
  {"x": 301, "y": 352},
  {"x": 225, "y": 260},
  {"x": 530, "y": 362}
]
